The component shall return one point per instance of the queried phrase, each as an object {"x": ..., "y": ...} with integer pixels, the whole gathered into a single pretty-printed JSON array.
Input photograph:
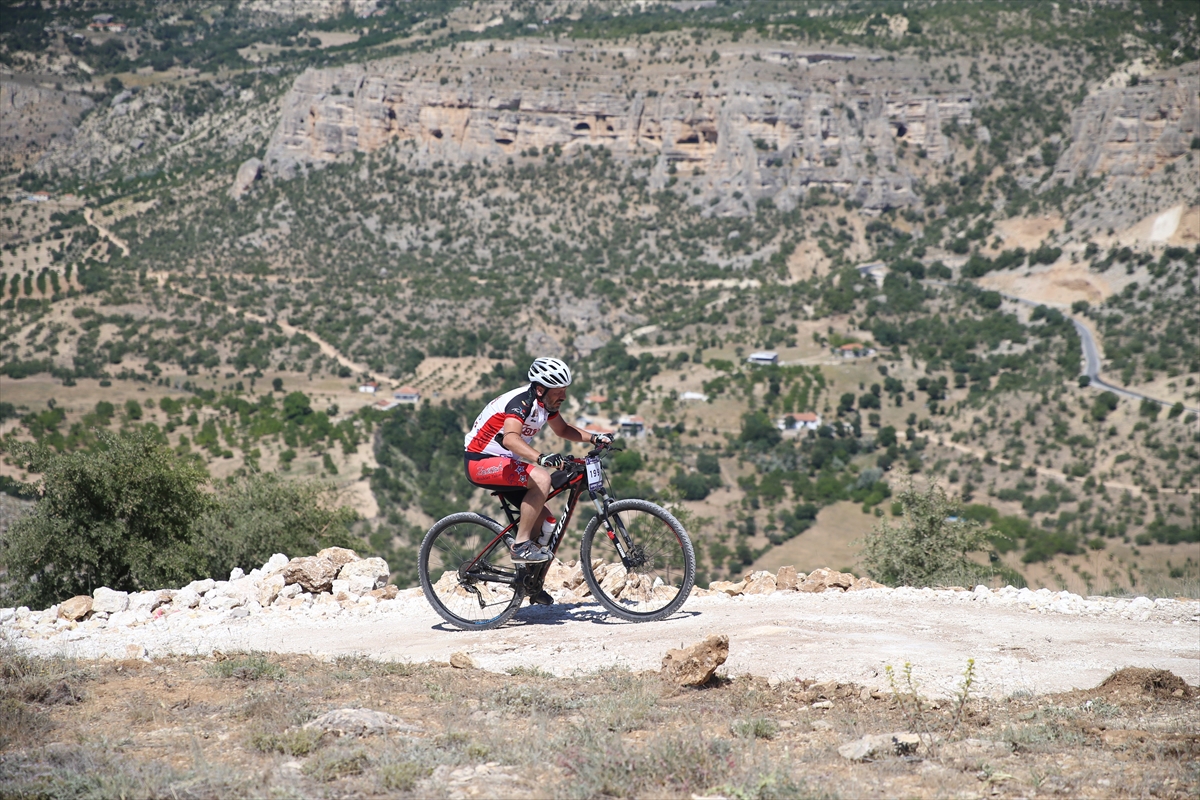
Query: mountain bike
[{"x": 635, "y": 556}]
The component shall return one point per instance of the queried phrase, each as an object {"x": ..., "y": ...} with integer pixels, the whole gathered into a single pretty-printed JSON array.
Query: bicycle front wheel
[
  {"x": 467, "y": 574},
  {"x": 659, "y": 568}
]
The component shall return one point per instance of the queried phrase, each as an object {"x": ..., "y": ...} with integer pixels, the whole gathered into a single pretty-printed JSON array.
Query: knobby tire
[
  {"x": 650, "y": 591},
  {"x": 453, "y": 542}
]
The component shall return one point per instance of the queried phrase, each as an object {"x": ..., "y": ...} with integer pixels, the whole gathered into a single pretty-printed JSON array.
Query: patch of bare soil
[
  {"x": 238, "y": 724},
  {"x": 1062, "y": 283}
]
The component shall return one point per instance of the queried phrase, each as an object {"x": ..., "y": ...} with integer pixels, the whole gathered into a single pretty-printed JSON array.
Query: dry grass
[{"x": 208, "y": 728}]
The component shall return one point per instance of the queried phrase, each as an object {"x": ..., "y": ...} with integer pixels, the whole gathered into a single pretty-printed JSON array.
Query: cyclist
[{"x": 500, "y": 440}]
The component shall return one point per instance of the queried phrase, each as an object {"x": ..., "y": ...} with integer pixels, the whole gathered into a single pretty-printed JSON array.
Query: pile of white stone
[{"x": 334, "y": 577}]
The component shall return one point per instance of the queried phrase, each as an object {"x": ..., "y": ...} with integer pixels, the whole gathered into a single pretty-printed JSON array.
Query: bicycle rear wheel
[
  {"x": 467, "y": 574},
  {"x": 654, "y": 579}
]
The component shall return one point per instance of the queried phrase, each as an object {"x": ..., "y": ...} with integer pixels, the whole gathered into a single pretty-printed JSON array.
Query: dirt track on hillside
[{"x": 849, "y": 637}]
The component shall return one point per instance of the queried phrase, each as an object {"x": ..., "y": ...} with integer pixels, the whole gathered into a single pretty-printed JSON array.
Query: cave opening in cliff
[
  {"x": 582, "y": 126},
  {"x": 901, "y": 130},
  {"x": 504, "y": 141},
  {"x": 437, "y": 134},
  {"x": 691, "y": 138}
]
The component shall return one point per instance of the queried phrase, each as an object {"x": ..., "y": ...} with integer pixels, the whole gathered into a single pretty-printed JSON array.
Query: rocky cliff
[
  {"x": 746, "y": 135},
  {"x": 1133, "y": 130}
]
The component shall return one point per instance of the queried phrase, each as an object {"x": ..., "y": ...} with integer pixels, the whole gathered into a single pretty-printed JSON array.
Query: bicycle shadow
[{"x": 592, "y": 613}]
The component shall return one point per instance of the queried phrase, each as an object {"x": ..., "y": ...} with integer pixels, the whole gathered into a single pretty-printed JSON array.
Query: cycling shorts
[{"x": 496, "y": 472}]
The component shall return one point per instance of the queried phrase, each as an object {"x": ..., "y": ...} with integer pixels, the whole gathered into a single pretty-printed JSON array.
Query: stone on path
[
  {"x": 365, "y": 575},
  {"x": 880, "y": 745},
  {"x": 108, "y": 601},
  {"x": 695, "y": 665},
  {"x": 314, "y": 574},
  {"x": 761, "y": 582},
  {"x": 823, "y": 579},
  {"x": 76, "y": 608},
  {"x": 787, "y": 579},
  {"x": 340, "y": 556},
  {"x": 461, "y": 660}
]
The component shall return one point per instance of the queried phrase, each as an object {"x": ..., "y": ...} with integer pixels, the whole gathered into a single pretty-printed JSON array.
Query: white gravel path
[{"x": 1022, "y": 641}]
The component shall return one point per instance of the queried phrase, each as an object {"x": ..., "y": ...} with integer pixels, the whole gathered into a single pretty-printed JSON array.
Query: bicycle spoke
[
  {"x": 658, "y": 566},
  {"x": 471, "y": 577}
]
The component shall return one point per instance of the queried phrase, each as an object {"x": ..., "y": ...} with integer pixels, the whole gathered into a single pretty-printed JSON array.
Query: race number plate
[{"x": 594, "y": 474}]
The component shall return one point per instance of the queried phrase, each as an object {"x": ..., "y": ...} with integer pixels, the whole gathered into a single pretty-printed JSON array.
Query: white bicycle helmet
[{"x": 550, "y": 372}]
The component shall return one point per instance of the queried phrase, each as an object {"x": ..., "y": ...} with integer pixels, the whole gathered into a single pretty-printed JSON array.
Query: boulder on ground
[
  {"x": 787, "y": 579},
  {"x": 108, "y": 601},
  {"x": 76, "y": 608},
  {"x": 823, "y": 579},
  {"x": 365, "y": 575},
  {"x": 340, "y": 556},
  {"x": 880, "y": 745},
  {"x": 314, "y": 574},
  {"x": 150, "y": 600},
  {"x": 358, "y": 722},
  {"x": 695, "y": 665},
  {"x": 247, "y": 174},
  {"x": 761, "y": 582},
  {"x": 461, "y": 660},
  {"x": 728, "y": 587}
]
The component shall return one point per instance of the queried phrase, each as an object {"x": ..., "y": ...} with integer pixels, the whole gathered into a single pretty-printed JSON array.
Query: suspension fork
[{"x": 621, "y": 542}]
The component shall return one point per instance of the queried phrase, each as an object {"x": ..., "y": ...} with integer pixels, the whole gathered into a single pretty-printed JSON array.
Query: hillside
[{"x": 219, "y": 222}]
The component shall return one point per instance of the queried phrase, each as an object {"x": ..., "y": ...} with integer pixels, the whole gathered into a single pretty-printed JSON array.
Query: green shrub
[
  {"x": 263, "y": 515},
  {"x": 930, "y": 544},
  {"x": 119, "y": 517}
]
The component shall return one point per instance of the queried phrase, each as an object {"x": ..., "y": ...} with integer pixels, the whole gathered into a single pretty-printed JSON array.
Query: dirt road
[{"x": 848, "y": 637}]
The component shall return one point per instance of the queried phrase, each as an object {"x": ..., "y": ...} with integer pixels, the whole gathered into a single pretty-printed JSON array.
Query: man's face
[{"x": 553, "y": 398}]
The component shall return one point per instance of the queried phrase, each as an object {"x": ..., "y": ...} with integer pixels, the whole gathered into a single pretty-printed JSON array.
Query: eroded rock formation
[
  {"x": 1132, "y": 130},
  {"x": 748, "y": 138}
]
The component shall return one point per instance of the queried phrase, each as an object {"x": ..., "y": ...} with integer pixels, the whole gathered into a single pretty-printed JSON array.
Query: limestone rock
[
  {"x": 269, "y": 588},
  {"x": 787, "y": 579},
  {"x": 358, "y": 722},
  {"x": 823, "y": 579},
  {"x": 313, "y": 573},
  {"x": 389, "y": 592},
  {"x": 695, "y": 665},
  {"x": 247, "y": 174},
  {"x": 340, "y": 556},
  {"x": 108, "y": 601},
  {"x": 864, "y": 583},
  {"x": 759, "y": 583},
  {"x": 186, "y": 598},
  {"x": 461, "y": 660},
  {"x": 728, "y": 587},
  {"x": 76, "y": 608},
  {"x": 275, "y": 563},
  {"x": 202, "y": 586},
  {"x": 810, "y": 134},
  {"x": 365, "y": 575},
  {"x": 1131, "y": 130},
  {"x": 150, "y": 600},
  {"x": 880, "y": 745}
]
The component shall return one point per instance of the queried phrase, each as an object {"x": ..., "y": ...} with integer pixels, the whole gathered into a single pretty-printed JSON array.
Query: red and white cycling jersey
[{"x": 521, "y": 404}]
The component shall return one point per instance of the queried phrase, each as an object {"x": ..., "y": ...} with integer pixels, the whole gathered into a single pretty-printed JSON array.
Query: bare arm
[{"x": 567, "y": 431}]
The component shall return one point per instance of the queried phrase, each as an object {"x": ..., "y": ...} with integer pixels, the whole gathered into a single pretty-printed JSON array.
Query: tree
[
  {"x": 930, "y": 544},
  {"x": 119, "y": 517},
  {"x": 263, "y": 515}
]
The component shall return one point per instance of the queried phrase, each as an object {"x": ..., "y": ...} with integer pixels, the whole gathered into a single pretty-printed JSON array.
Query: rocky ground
[{"x": 782, "y": 627}]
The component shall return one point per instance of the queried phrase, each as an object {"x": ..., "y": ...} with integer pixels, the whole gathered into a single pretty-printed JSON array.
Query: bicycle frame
[{"x": 576, "y": 485}]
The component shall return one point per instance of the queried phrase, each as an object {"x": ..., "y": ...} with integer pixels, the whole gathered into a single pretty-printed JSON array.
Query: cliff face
[
  {"x": 32, "y": 116},
  {"x": 1131, "y": 131},
  {"x": 758, "y": 138}
]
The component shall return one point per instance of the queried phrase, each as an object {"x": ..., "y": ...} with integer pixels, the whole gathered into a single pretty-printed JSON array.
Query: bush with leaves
[
  {"x": 930, "y": 544},
  {"x": 119, "y": 517},
  {"x": 263, "y": 515}
]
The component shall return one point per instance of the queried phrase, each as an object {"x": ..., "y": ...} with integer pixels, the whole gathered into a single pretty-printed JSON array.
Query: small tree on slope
[{"x": 930, "y": 544}]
